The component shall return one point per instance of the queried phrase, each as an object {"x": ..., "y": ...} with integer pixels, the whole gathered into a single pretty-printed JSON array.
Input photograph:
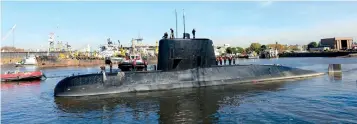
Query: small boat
[
  {"x": 133, "y": 62},
  {"x": 253, "y": 55},
  {"x": 117, "y": 60},
  {"x": 21, "y": 76},
  {"x": 28, "y": 60}
]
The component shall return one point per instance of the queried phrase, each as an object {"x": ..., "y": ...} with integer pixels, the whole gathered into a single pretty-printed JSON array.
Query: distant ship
[
  {"x": 253, "y": 55},
  {"x": 109, "y": 49},
  {"x": 111, "y": 52},
  {"x": 28, "y": 60}
]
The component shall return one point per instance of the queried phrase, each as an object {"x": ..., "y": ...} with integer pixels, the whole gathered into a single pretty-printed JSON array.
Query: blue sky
[{"x": 237, "y": 23}]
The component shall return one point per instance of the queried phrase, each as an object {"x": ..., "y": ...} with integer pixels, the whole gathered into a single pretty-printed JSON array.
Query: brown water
[{"x": 331, "y": 98}]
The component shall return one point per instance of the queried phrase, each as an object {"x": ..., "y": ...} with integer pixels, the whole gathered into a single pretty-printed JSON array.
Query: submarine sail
[{"x": 181, "y": 54}]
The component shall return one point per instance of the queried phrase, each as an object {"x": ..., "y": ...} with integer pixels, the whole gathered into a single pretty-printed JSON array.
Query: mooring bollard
[
  {"x": 334, "y": 68},
  {"x": 103, "y": 72}
]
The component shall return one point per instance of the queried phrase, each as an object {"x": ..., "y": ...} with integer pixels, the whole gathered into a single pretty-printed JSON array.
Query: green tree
[
  {"x": 234, "y": 50},
  {"x": 295, "y": 49},
  {"x": 240, "y": 50},
  {"x": 263, "y": 47},
  {"x": 312, "y": 45},
  {"x": 247, "y": 49},
  {"x": 229, "y": 50},
  {"x": 255, "y": 47}
]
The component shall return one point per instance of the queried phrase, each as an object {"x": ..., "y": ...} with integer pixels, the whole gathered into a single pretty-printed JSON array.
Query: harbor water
[{"x": 331, "y": 98}]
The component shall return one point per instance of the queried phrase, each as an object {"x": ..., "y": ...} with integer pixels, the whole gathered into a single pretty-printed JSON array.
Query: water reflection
[
  {"x": 9, "y": 85},
  {"x": 335, "y": 72},
  {"x": 191, "y": 105},
  {"x": 335, "y": 76}
]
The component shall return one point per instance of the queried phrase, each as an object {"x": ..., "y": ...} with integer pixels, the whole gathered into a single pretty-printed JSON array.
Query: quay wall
[
  {"x": 9, "y": 60},
  {"x": 24, "y": 54},
  {"x": 317, "y": 54},
  {"x": 13, "y": 57}
]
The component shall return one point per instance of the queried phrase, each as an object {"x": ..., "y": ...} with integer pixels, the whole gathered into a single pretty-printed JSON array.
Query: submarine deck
[{"x": 93, "y": 84}]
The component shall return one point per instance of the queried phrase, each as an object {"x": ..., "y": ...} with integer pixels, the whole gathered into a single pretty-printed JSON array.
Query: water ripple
[{"x": 325, "y": 99}]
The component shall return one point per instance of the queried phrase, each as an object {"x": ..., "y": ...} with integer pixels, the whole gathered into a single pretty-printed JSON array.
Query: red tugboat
[
  {"x": 133, "y": 62},
  {"x": 21, "y": 76}
]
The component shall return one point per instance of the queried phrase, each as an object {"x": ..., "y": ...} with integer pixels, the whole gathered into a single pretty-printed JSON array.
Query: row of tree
[
  {"x": 312, "y": 45},
  {"x": 257, "y": 47},
  {"x": 11, "y": 49}
]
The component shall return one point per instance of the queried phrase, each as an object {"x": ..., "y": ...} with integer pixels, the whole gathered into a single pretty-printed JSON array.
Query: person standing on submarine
[
  {"x": 234, "y": 60},
  {"x": 165, "y": 35},
  {"x": 193, "y": 33},
  {"x": 111, "y": 67},
  {"x": 172, "y": 34},
  {"x": 220, "y": 60},
  {"x": 224, "y": 60},
  {"x": 230, "y": 60}
]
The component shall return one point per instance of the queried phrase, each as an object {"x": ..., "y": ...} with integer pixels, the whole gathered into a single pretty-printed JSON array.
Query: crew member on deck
[
  {"x": 172, "y": 34},
  {"x": 224, "y": 60},
  {"x": 220, "y": 60},
  {"x": 230, "y": 60},
  {"x": 111, "y": 67},
  {"x": 165, "y": 35},
  {"x": 234, "y": 60},
  {"x": 193, "y": 33}
]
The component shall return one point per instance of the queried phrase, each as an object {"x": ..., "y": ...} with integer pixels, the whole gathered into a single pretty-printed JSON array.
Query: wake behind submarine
[{"x": 182, "y": 63}]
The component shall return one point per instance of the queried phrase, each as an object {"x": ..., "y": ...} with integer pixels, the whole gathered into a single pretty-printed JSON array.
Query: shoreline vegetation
[
  {"x": 5, "y": 61},
  {"x": 153, "y": 60},
  {"x": 345, "y": 54}
]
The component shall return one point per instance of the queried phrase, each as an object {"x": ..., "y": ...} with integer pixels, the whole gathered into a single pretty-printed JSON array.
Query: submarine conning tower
[{"x": 180, "y": 54}]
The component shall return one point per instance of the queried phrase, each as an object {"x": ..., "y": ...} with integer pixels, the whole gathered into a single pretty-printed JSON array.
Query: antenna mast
[
  {"x": 176, "y": 23},
  {"x": 184, "y": 26}
]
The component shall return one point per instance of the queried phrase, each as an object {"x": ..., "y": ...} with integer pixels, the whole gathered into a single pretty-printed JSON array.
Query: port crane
[{"x": 11, "y": 31}]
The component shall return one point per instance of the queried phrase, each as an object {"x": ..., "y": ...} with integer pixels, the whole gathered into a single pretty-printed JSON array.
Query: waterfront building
[
  {"x": 219, "y": 50},
  {"x": 320, "y": 49},
  {"x": 337, "y": 43}
]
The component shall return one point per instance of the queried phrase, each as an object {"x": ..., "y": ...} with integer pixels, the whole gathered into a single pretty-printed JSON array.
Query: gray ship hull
[{"x": 95, "y": 84}]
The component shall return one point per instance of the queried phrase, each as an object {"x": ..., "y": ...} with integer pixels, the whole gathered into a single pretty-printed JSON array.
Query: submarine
[{"x": 182, "y": 63}]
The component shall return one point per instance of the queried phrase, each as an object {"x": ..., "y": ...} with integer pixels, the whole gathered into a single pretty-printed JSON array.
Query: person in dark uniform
[
  {"x": 165, "y": 35},
  {"x": 111, "y": 67},
  {"x": 224, "y": 60},
  {"x": 193, "y": 33},
  {"x": 172, "y": 34},
  {"x": 217, "y": 60},
  {"x": 230, "y": 60},
  {"x": 220, "y": 60},
  {"x": 234, "y": 60}
]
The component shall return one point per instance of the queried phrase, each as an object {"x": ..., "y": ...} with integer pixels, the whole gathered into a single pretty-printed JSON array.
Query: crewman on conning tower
[
  {"x": 172, "y": 34},
  {"x": 165, "y": 35},
  {"x": 193, "y": 33}
]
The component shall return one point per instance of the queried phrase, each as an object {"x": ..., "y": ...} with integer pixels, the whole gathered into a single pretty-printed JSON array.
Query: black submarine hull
[{"x": 95, "y": 84}]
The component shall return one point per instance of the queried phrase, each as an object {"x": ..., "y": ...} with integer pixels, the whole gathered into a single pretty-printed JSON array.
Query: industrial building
[{"x": 337, "y": 43}]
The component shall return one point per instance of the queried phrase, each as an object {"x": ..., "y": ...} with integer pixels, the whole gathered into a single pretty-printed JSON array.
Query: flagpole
[
  {"x": 184, "y": 27},
  {"x": 176, "y": 23}
]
